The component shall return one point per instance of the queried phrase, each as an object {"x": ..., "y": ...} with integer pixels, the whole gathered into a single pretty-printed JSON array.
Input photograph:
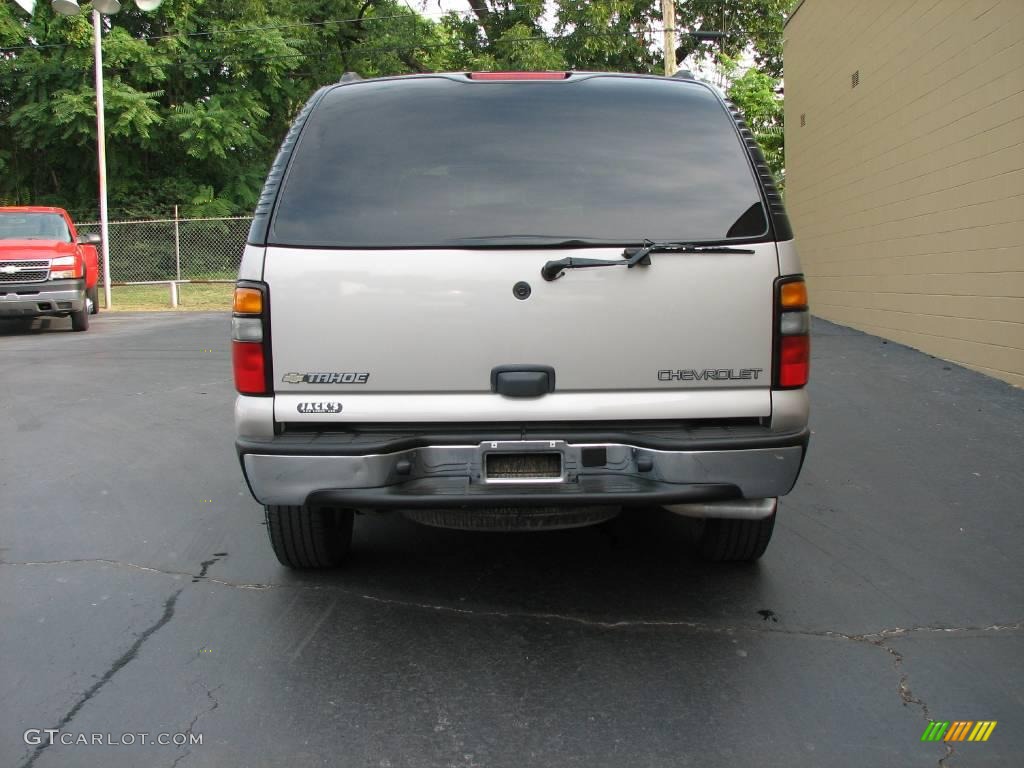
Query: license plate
[{"x": 512, "y": 467}]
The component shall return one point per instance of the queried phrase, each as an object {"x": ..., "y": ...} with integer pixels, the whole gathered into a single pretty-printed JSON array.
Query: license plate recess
[{"x": 523, "y": 463}]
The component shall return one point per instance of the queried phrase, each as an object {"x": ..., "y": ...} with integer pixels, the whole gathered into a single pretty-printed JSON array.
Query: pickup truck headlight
[{"x": 64, "y": 267}]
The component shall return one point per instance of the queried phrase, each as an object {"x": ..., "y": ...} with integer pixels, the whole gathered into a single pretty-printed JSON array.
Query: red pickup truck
[{"x": 46, "y": 267}]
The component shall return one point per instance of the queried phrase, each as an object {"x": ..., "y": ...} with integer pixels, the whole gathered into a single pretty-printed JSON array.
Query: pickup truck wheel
[
  {"x": 80, "y": 319},
  {"x": 310, "y": 537},
  {"x": 93, "y": 294},
  {"x": 731, "y": 540}
]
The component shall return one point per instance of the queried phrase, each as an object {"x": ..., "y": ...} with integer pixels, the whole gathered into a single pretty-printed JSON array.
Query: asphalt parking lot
[{"x": 138, "y": 592}]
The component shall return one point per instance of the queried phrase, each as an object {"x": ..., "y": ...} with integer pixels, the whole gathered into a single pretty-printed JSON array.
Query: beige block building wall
[{"x": 905, "y": 171}]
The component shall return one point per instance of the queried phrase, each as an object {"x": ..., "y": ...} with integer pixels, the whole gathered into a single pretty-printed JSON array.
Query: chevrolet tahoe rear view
[{"x": 512, "y": 301}]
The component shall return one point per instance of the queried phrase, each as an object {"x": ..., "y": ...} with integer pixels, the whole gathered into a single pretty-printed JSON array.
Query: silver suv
[{"x": 519, "y": 300}]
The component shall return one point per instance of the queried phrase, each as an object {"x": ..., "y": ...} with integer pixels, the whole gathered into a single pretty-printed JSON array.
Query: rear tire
[
  {"x": 726, "y": 540},
  {"x": 93, "y": 294},
  {"x": 80, "y": 319},
  {"x": 310, "y": 537}
]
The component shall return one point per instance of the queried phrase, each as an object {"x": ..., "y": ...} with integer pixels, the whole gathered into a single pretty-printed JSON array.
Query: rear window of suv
[{"x": 435, "y": 162}]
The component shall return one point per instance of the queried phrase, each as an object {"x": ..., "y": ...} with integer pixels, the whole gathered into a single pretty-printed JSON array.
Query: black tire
[
  {"x": 310, "y": 537},
  {"x": 726, "y": 540},
  {"x": 80, "y": 319},
  {"x": 93, "y": 294}
]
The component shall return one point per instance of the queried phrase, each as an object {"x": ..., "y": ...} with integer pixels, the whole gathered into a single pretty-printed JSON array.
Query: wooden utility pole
[{"x": 668, "y": 16}]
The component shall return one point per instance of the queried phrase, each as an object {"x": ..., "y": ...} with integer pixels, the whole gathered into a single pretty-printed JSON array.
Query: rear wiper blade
[{"x": 641, "y": 256}]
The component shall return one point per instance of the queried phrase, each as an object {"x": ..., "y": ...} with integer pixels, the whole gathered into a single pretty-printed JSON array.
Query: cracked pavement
[{"x": 890, "y": 595}]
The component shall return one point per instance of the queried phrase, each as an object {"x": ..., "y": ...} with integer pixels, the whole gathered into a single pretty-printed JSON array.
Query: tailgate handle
[{"x": 523, "y": 380}]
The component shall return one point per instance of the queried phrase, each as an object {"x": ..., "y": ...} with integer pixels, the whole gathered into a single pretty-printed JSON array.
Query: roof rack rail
[
  {"x": 683, "y": 74},
  {"x": 350, "y": 77}
]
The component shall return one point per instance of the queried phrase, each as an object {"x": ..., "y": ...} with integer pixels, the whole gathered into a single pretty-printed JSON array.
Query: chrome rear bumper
[{"x": 442, "y": 476}]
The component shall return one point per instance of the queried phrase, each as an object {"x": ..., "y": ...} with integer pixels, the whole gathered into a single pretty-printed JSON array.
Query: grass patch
[{"x": 196, "y": 297}]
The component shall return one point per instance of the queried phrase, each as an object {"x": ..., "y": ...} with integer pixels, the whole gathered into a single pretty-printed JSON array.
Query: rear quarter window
[{"x": 439, "y": 161}]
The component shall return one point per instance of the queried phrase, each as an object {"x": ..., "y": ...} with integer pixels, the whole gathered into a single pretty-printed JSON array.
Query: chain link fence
[{"x": 174, "y": 249}]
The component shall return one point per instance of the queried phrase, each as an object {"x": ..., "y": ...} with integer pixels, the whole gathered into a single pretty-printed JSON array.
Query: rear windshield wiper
[{"x": 641, "y": 256}]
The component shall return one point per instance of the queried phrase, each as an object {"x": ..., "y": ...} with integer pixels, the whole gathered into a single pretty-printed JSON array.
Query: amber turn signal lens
[
  {"x": 248, "y": 301},
  {"x": 793, "y": 295}
]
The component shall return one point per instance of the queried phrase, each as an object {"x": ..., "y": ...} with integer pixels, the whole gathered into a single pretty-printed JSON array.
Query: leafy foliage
[
  {"x": 614, "y": 35},
  {"x": 758, "y": 98},
  {"x": 748, "y": 24},
  {"x": 200, "y": 92}
]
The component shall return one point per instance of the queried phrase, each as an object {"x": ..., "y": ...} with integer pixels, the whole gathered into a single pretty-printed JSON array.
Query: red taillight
[
  {"x": 518, "y": 75},
  {"x": 250, "y": 373},
  {"x": 249, "y": 340},
  {"x": 792, "y": 329},
  {"x": 794, "y": 360}
]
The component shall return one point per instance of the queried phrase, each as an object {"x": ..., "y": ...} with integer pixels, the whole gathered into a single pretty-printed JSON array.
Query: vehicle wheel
[
  {"x": 80, "y": 319},
  {"x": 310, "y": 537},
  {"x": 93, "y": 294},
  {"x": 729, "y": 540}
]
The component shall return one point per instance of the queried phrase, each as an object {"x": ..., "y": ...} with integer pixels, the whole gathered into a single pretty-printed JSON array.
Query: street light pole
[
  {"x": 99, "y": 7},
  {"x": 101, "y": 154}
]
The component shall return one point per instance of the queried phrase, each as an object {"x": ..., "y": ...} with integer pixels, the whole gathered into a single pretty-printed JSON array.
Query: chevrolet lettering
[{"x": 718, "y": 374}]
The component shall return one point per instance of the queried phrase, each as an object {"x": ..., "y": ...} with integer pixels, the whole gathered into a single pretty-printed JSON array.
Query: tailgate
[{"x": 412, "y": 335}]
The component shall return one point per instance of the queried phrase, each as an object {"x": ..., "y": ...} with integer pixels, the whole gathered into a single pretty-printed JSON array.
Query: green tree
[
  {"x": 758, "y": 97},
  {"x": 622, "y": 34},
  {"x": 611, "y": 35},
  {"x": 754, "y": 25},
  {"x": 200, "y": 93}
]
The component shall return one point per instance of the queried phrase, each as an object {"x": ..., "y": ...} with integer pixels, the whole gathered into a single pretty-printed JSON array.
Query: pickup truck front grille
[{"x": 24, "y": 271}]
